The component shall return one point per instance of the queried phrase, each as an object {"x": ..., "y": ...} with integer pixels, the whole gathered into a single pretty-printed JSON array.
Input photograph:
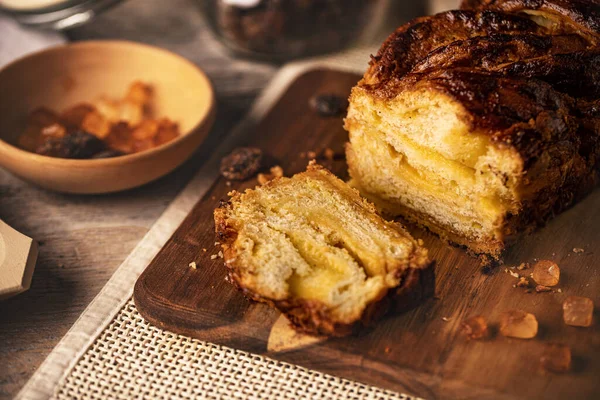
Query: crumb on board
[
  {"x": 578, "y": 250},
  {"x": 445, "y": 319},
  {"x": 311, "y": 154},
  {"x": 217, "y": 243},
  {"x": 204, "y": 250},
  {"x": 523, "y": 282},
  {"x": 559, "y": 290},
  {"x": 228, "y": 183},
  {"x": 220, "y": 254},
  {"x": 420, "y": 242},
  {"x": 513, "y": 274},
  {"x": 192, "y": 265},
  {"x": 523, "y": 266},
  {"x": 213, "y": 257},
  {"x": 276, "y": 172},
  {"x": 387, "y": 349},
  {"x": 328, "y": 154},
  {"x": 542, "y": 288}
]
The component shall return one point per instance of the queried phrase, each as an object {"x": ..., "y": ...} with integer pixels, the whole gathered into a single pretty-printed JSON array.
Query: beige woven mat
[
  {"x": 134, "y": 360},
  {"x": 112, "y": 353}
]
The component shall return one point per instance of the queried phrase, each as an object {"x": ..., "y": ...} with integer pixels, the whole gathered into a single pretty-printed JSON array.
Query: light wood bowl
[{"x": 66, "y": 75}]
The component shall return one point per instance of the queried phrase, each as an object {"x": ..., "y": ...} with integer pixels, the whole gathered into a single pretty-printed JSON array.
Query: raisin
[
  {"x": 242, "y": 163},
  {"x": 78, "y": 145},
  {"x": 329, "y": 105}
]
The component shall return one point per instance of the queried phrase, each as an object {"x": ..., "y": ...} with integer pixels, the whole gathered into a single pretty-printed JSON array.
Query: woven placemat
[
  {"x": 112, "y": 353},
  {"x": 134, "y": 360}
]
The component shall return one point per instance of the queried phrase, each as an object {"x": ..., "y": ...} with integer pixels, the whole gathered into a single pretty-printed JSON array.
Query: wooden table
[{"x": 83, "y": 239}]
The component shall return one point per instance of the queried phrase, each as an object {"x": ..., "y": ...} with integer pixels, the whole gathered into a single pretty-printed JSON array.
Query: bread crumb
[
  {"x": 311, "y": 154},
  {"x": 213, "y": 257},
  {"x": 559, "y": 290},
  {"x": 387, "y": 349},
  {"x": 578, "y": 250},
  {"x": 276, "y": 172},
  {"x": 514, "y": 274},
  {"x": 445, "y": 319},
  {"x": 217, "y": 243},
  {"x": 523, "y": 282},
  {"x": 204, "y": 250},
  {"x": 420, "y": 242},
  {"x": 220, "y": 254},
  {"x": 542, "y": 288},
  {"x": 523, "y": 266},
  {"x": 228, "y": 183},
  {"x": 192, "y": 265}
]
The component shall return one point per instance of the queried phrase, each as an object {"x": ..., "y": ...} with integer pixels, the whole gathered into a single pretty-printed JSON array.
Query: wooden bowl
[{"x": 60, "y": 77}]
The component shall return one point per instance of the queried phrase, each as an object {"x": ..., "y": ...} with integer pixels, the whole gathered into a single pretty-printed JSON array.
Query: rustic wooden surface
[
  {"x": 83, "y": 239},
  {"x": 421, "y": 352}
]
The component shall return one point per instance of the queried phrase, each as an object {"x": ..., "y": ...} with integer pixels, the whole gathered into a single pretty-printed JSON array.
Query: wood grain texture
[
  {"x": 109, "y": 226},
  {"x": 421, "y": 352}
]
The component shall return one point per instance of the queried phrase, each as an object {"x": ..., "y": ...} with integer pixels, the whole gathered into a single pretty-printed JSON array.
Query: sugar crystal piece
[
  {"x": 475, "y": 327},
  {"x": 546, "y": 273},
  {"x": 556, "y": 358},
  {"x": 578, "y": 311},
  {"x": 518, "y": 324}
]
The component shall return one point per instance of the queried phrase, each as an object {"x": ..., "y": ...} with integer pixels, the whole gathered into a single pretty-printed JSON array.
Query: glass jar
[
  {"x": 283, "y": 29},
  {"x": 54, "y": 14}
]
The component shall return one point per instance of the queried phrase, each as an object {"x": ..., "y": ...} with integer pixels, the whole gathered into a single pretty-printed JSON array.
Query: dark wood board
[{"x": 421, "y": 352}]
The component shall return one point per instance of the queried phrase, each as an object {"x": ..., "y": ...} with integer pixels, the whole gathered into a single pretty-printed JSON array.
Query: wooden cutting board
[{"x": 421, "y": 352}]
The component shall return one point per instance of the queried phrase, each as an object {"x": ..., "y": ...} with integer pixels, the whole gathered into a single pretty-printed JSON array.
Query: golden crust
[
  {"x": 415, "y": 276},
  {"x": 526, "y": 74},
  {"x": 576, "y": 15}
]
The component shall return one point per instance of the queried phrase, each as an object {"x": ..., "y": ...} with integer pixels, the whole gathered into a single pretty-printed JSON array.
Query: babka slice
[
  {"x": 313, "y": 248},
  {"x": 481, "y": 123}
]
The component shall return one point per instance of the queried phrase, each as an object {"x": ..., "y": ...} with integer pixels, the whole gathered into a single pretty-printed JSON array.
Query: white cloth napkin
[{"x": 17, "y": 40}]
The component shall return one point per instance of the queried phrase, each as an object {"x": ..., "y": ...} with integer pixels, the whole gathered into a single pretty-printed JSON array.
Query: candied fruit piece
[
  {"x": 54, "y": 131},
  {"x": 78, "y": 145},
  {"x": 73, "y": 117},
  {"x": 578, "y": 311},
  {"x": 556, "y": 358},
  {"x": 32, "y": 136},
  {"x": 167, "y": 131},
  {"x": 142, "y": 145},
  {"x": 546, "y": 273},
  {"x": 96, "y": 124},
  {"x": 475, "y": 327},
  {"x": 518, "y": 324},
  {"x": 138, "y": 93},
  {"x": 120, "y": 138},
  {"x": 131, "y": 112},
  {"x": 109, "y": 109},
  {"x": 145, "y": 130}
]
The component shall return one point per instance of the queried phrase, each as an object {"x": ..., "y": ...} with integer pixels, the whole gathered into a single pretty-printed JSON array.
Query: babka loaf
[
  {"x": 313, "y": 248},
  {"x": 481, "y": 123}
]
